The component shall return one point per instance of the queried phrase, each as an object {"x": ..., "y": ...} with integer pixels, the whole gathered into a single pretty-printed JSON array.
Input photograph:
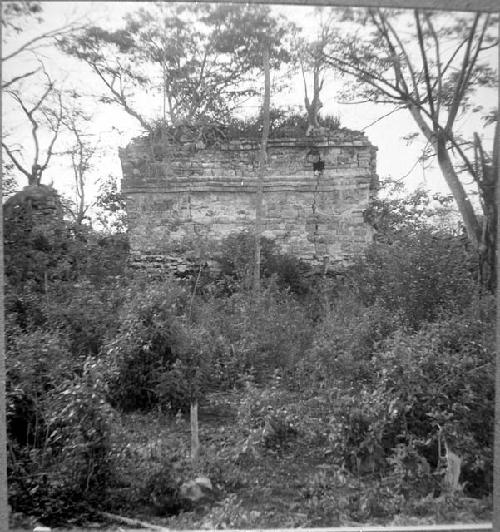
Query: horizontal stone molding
[{"x": 251, "y": 188}]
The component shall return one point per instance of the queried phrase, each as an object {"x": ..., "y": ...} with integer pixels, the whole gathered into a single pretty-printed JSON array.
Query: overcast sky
[{"x": 114, "y": 127}]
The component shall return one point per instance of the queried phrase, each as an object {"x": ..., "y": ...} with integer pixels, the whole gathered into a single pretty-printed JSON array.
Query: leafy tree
[
  {"x": 256, "y": 47},
  {"x": 418, "y": 266},
  {"x": 394, "y": 212},
  {"x": 9, "y": 182},
  {"x": 200, "y": 74},
  {"x": 199, "y": 58},
  {"x": 110, "y": 204},
  {"x": 311, "y": 56},
  {"x": 13, "y": 11},
  {"x": 433, "y": 72},
  {"x": 104, "y": 52},
  {"x": 14, "y": 16}
]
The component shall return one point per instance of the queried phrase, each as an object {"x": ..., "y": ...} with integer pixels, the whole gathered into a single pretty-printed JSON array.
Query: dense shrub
[
  {"x": 36, "y": 362},
  {"x": 265, "y": 416},
  {"x": 86, "y": 314},
  {"x": 236, "y": 259},
  {"x": 147, "y": 343},
  {"x": 66, "y": 472},
  {"x": 171, "y": 343},
  {"x": 346, "y": 338},
  {"x": 265, "y": 333},
  {"x": 57, "y": 423},
  {"x": 439, "y": 382},
  {"x": 380, "y": 370},
  {"x": 416, "y": 268},
  {"x": 416, "y": 276},
  {"x": 94, "y": 256},
  {"x": 432, "y": 389},
  {"x": 57, "y": 250},
  {"x": 57, "y": 428},
  {"x": 195, "y": 370}
]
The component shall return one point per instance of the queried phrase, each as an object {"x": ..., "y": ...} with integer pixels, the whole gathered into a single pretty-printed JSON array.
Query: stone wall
[
  {"x": 37, "y": 209},
  {"x": 184, "y": 197}
]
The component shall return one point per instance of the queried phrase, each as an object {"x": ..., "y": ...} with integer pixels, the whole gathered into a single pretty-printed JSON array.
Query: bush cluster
[
  {"x": 284, "y": 123},
  {"x": 386, "y": 367},
  {"x": 58, "y": 430},
  {"x": 61, "y": 293},
  {"x": 236, "y": 259}
]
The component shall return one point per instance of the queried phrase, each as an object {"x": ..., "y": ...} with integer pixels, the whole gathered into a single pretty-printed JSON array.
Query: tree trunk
[
  {"x": 496, "y": 439},
  {"x": 489, "y": 194},
  {"x": 164, "y": 91},
  {"x": 80, "y": 192},
  {"x": 438, "y": 142},
  {"x": 262, "y": 163},
  {"x": 313, "y": 107},
  {"x": 316, "y": 104},
  {"x": 483, "y": 235},
  {"x": 487, "y": 248},
  {"x": 488, "y": 255},
  {"x": 195, "y": 438},
  {"x": 4, "y": 514},
  {"x": 465, "y": 208},
  {"x": 34, "y": 179}
]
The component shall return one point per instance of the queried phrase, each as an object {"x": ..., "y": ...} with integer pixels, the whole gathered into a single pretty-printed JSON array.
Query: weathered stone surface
[
  {"x": 196, "y": 490},
  {"x": 186, "y": 198}
]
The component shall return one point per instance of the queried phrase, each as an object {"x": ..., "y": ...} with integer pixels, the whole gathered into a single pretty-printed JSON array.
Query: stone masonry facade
[{"x": 183, "y": 198}]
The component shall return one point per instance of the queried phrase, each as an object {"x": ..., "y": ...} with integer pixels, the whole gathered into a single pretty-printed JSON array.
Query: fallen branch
[{"x": 131, "y": 522}]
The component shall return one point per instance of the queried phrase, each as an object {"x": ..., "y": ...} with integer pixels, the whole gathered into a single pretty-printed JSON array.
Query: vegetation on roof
[{"x": 285, "y": 123}]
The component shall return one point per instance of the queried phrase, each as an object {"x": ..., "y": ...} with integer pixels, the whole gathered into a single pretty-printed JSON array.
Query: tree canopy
[
  {"x": 200, "y": 59},
  {"x": 431, "y": 67}
]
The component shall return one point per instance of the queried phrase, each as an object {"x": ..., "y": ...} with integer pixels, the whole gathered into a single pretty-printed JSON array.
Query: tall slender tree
[
  {"x": 266, "y": 106},
  {"x": 82, "y": 152},
  {"x": 432, "y": 71},
  {"x": 311, "y": 55}
]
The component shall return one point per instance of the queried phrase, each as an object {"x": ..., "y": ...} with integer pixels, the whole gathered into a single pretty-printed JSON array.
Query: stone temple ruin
[{"x": 184, "y": 197}]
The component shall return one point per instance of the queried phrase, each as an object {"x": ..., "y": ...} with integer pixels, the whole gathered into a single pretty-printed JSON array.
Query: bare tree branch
[
  {"x": 461, "y": 83},
  {"x": 465, "y": 159},
  {"x": 15, "y": 161},
  {"x": 450, "y": 61},
  {"x": 425, "y": 62},
  {"x": 52, "y": 34},
  {"x": 56, "y": 129},
  {"x": 7, "y": 84},
  {"x": 32, "y": 113},
  {"x": 396, "y": 63},
  {"x": 396, "y": 109},
  {"x": 404, "y": 52},
  {"x": 438, "y": 64},
  {"x": 120, "y": 96}
]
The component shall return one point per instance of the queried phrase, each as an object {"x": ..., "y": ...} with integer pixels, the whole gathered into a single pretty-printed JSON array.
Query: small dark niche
[{"x": 319, "y": 166}]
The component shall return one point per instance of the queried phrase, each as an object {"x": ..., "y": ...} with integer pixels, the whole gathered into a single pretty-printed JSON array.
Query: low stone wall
[
  {"x": 35, "y": 209},
  {"x": 184, "y": 198}
]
